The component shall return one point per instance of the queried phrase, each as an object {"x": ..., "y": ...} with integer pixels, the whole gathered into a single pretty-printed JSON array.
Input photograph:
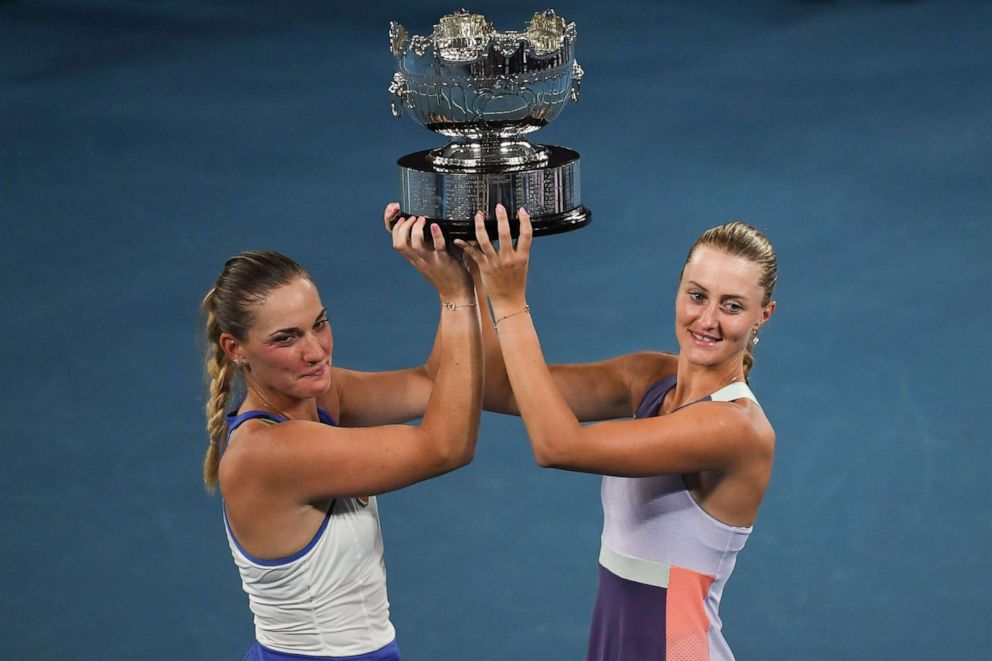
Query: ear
[
  {"x": 231, "y": 347},
  {"x": 767, "y": 313}
]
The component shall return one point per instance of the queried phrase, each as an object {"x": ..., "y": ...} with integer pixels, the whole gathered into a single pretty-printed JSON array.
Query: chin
[
  {"x": 704, "y": 357},
  {"x": 315, "y": 389}
]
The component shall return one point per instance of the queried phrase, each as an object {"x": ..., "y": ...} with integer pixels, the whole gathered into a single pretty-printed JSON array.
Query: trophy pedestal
[{"x": 451, "y": 196}]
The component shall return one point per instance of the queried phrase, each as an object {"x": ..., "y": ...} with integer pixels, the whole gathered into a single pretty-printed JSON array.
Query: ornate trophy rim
[{"x": 464, "y": 38}]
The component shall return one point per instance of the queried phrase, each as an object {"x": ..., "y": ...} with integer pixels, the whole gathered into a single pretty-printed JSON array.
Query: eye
[
  {"x": 734, "y": 307},
  {"x": 697, "y": 297},
  {"x": 283, "y": 339},
  {"x": 321, "y": 324}
]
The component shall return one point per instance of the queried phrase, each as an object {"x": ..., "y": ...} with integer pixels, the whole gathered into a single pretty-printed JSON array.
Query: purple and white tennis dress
[
  {"x": 327, "y": 600},
  {"x": 662, "y": 564}
]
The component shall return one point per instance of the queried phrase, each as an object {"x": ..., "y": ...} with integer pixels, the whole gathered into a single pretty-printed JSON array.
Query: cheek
[
  {"x": 280, "y": 360},
  {"x": 742, "y": 330}
]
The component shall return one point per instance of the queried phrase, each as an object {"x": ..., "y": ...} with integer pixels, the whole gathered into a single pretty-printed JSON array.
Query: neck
[
  {"x": 278, "y": 403},
  {"x": 697, "y": 381}
]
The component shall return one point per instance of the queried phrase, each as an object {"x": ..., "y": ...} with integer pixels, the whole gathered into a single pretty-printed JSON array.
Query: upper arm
[
  {"x": 610, "y": 388},
  {"x": 704, "y": 436},
  {"x": 311, "y": 461},
  {"x": 364, "y": 399}
]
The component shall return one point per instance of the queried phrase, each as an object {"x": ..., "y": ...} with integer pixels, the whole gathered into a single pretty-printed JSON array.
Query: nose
[
  {"x": 708, "y": 317},
  {"x": 313, "y": 352}
]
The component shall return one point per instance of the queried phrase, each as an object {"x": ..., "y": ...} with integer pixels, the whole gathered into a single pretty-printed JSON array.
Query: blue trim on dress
[
  {"x": 259, "y": 652},
  {"x": 285, "y": 560},
  {"x": 235, "y": 420}
]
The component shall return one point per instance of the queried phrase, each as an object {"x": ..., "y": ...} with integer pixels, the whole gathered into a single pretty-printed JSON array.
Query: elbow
[
  {"x": 465, "y": 458},
  {"x": 557, "y": 446},
  {"x": 451, "y": 456},
  {"x": 449, "y": 461},
  {"x": 546, "y": 453},
  {"x": 543, "y": 460},
  {"x": 463, "y": 453}
]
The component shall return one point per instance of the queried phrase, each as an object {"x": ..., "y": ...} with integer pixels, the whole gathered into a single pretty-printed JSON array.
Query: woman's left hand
[
  {"x": 444, "y": 269},
  {"x": 503, "y": 271}
]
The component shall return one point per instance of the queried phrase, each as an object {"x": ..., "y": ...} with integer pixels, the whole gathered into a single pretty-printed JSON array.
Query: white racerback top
[{"x": 329, "y": 598}]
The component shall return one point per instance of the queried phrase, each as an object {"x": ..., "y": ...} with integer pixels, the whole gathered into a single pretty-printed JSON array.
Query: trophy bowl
[{"x": 486, "y": 90}]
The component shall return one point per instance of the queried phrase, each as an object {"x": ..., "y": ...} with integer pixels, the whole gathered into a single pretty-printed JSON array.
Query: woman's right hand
[
  {"x": 442, "y": 267},
  {"x": 503, "y": 271}
]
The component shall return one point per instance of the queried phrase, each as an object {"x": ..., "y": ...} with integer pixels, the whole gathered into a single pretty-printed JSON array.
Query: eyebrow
[
  {"x": 323, "y": 313},
  {"x": 739, "y": 297}
]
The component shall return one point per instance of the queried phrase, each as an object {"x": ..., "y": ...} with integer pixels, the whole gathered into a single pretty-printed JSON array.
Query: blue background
[{"x": 142, "y": 143}]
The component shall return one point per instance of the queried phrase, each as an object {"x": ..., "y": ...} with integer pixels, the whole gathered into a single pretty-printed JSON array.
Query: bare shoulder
[
  {"x": 751, "y": 425},
  {"x": 244, "y": 450},
  {"x": 259, "y": 453}
]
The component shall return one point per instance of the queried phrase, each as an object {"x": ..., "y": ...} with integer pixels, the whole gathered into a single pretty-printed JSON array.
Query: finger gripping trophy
[{"x": 486, "y": 90}]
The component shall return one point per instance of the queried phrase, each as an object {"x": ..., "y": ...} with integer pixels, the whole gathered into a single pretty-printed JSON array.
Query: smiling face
[
  {"x": 288, "y": 348},
  {"x": 718, "y": 306}
]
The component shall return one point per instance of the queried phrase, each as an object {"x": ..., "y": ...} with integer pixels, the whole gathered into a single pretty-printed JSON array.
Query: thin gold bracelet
[
  {"x": 512, "y": 314},
  {"x": 455, "y": 306}
]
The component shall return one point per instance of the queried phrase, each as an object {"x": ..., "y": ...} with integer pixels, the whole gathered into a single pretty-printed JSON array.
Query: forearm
[
  {"x": 434, "y": 359},
  {"x": 451, "y": 418},
  {"x": 497, "y": 394},
  {"x": 550, "y": 422}
]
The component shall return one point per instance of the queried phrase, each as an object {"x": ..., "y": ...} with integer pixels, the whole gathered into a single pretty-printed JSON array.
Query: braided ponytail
[
  {"x": 221, "y": 374},
  {"x": 227, "y": 308}
]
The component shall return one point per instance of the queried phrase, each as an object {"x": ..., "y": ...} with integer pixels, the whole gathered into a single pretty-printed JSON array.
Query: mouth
[
  {"x": 316, "y": 373},
  {"x": 704, "y": 339}
]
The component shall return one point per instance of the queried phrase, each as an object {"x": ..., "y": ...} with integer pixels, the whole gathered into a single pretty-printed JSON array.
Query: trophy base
[{"x": 451, "y": 197}]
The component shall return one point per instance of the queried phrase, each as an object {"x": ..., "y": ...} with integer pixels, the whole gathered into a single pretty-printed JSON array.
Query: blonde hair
[
  {"x": 247, "y": 279},
  {"x": 742, "y": 240}
]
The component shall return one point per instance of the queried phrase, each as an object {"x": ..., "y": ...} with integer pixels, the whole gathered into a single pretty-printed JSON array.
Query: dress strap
[
  {"x": 732, "y": 391},
  {"x": 651, "y": 402},
  {"x": 235, "y": 420},
  {"x": 326, "y": 417}
]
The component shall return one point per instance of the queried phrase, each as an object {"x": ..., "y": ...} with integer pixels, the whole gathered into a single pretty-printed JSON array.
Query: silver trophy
[{"x": 486, "y": 90}]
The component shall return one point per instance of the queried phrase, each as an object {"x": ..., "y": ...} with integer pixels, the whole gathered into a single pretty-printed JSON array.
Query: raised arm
[
  {"x": 707, "y": 435},
  {"x": 600, "y": 390},
  {"x": 311, "y": 461},
  {"x": 367, "y": 399}
]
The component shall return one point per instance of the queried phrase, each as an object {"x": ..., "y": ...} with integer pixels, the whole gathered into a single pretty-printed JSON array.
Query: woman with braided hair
[
  {"x": 685, "y": 449},
  {"x": 300, "y": 459}
]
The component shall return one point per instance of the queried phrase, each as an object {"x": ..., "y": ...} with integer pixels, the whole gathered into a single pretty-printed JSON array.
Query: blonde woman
[
  {"x": 301, "y": 458},
  {"x": 684, "y": 448}
]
